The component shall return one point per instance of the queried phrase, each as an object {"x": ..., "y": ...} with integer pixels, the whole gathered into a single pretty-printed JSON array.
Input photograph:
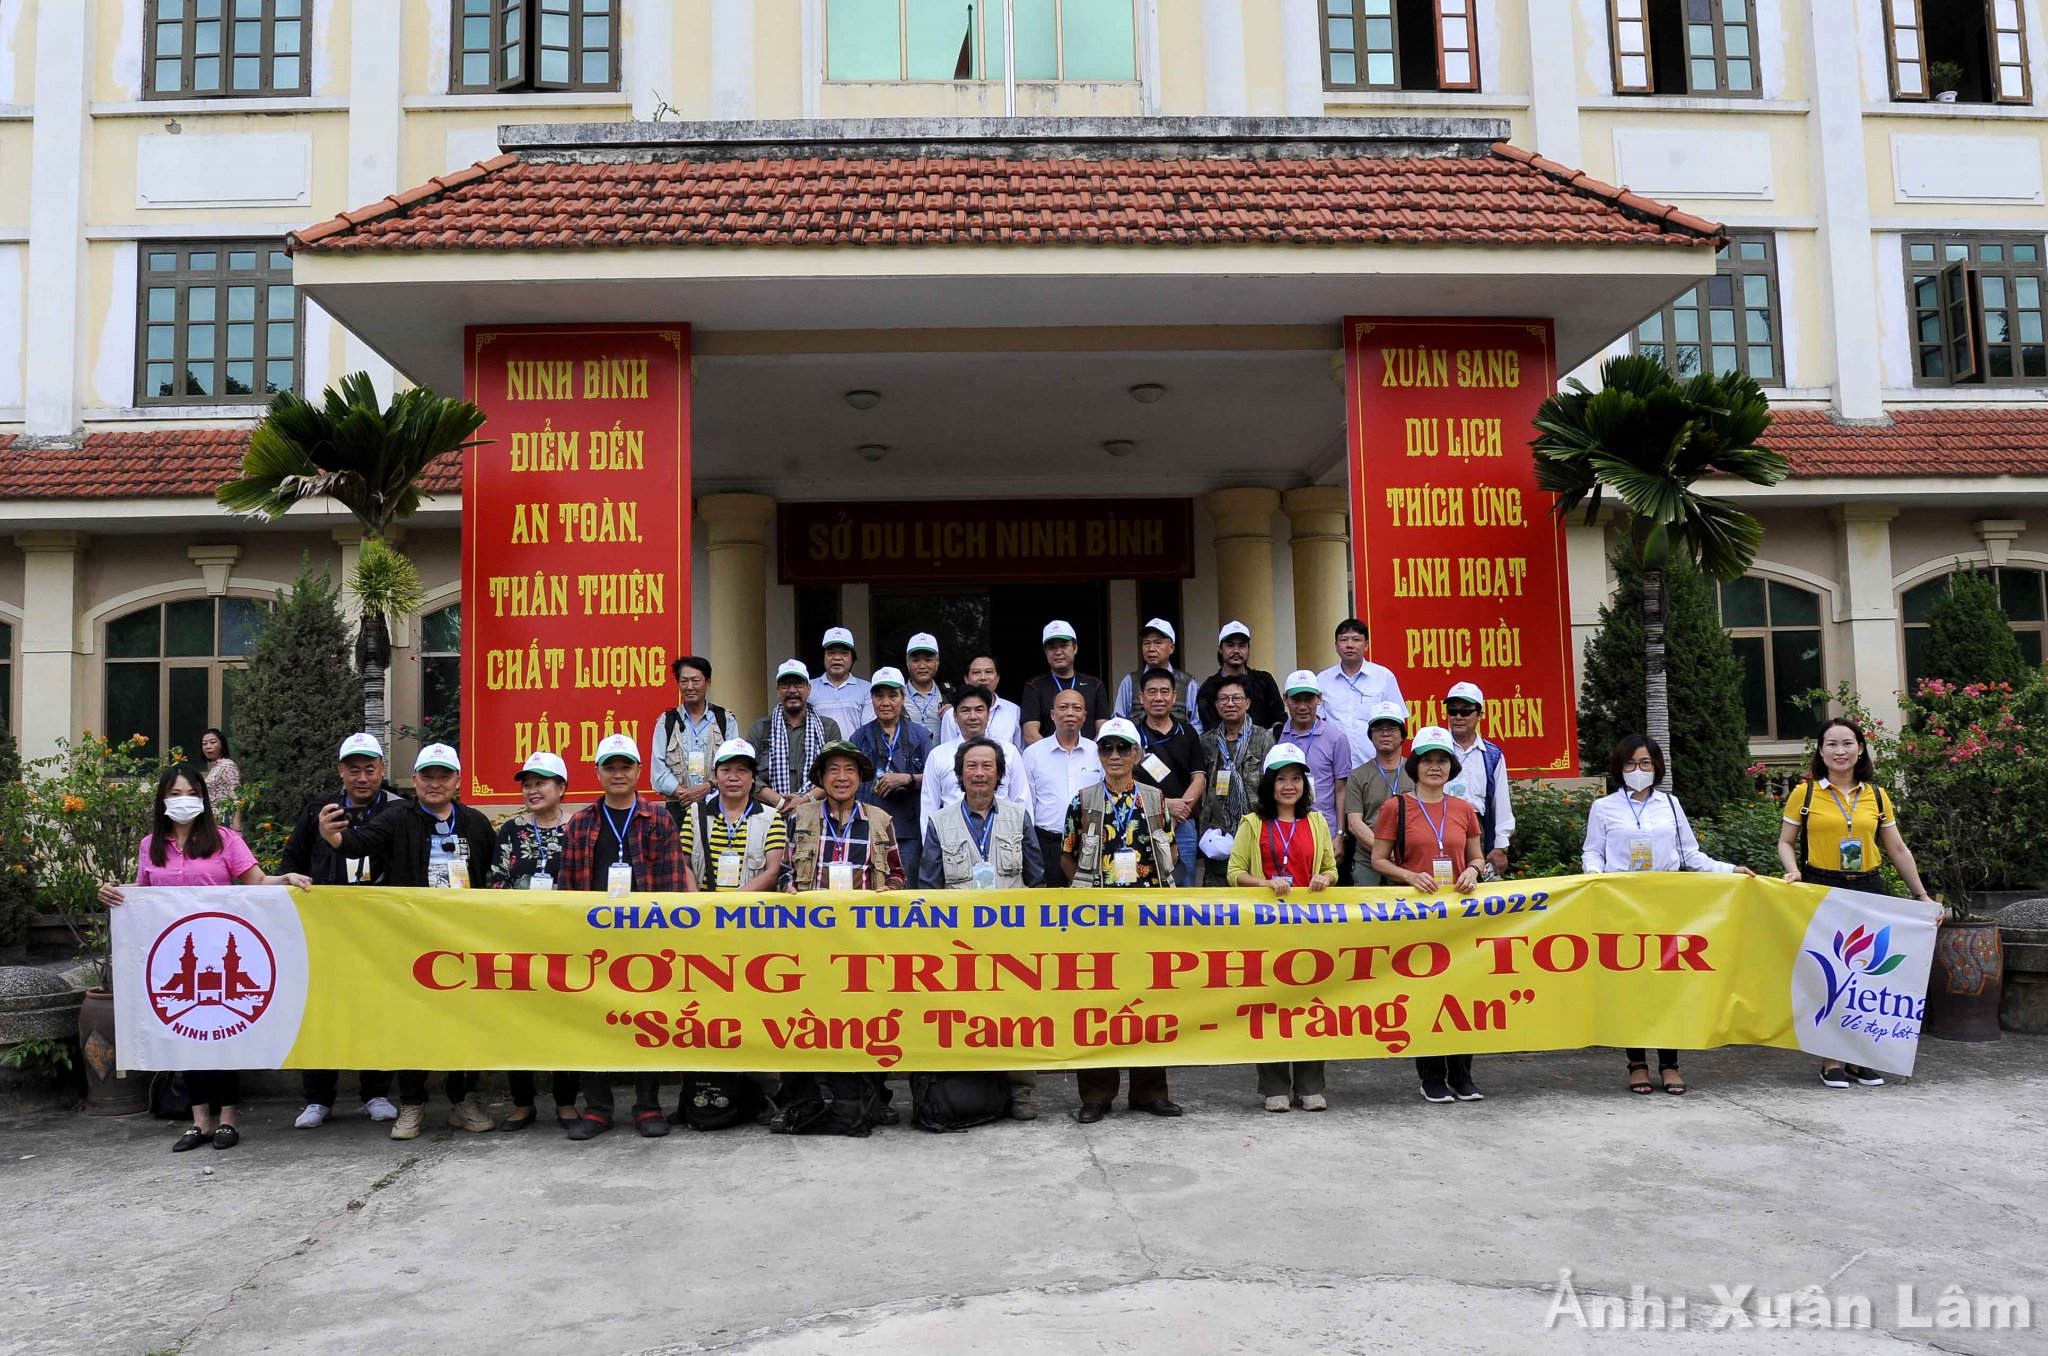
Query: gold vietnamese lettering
[
  {"x": 1418, "y": 366},
  {"x": 632, "y": 593},
  {"x": 1489, "y": 367},
  {"x": 535, "y": 595},
  {"x": 614, "y": 378},
  {"x": 1422, "y": 576},
  {"x": 527, "y": 670},
  {"x": 1497, "y": 506},
  {"x": 539, "y": 736},
  {"x": 1439, "y": 647},
  {"x": 618, "y": 449},
  {"x": 593, "y": 732},
  {"x": 1472, "y": 437},
  {"x": 1426, "y": 505},
  {"x": 620, "y": 666},
  {"x": 1421, "y": 437},
  {"x": 530, "y": 524},
  {"x": 595, "y": 520},
  {"x": 546, "y": 450},
  {"x": 1492, "y": 576},
  {"x": 1500, "y": 647},
  {"x": 540, "y": 379}
]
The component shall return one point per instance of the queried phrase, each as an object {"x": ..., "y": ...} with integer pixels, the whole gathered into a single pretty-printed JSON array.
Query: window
[
  {"x": 172, "y": 669},
  {"x": 512, "y": 45},
  {"x": 1683, "y": 47},
  {"x": 1729, "y": 323},
  {"x": 2022, "y": 593},
  {"x": 1775, "y": 630},
  {"x": 209, "y": 49},
  {"x": 963, "y": 39},
  {"x": 440, "y": 655},
  {"x": 1976, "y": 307},
  {"x": 1958, "y": 51},
  {"x": 1400, "y": 44},
  {"x": 219, "y": 323}
]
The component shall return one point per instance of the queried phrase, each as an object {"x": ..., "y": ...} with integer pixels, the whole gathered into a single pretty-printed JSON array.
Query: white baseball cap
[
  {"x": 1056, "y": 630},
  {"x": 359, "y": 745},
  {"x": 886, "y": 677},
  {"x": 734, "y": 748},
  {"x": 793, "y": 668},
  {"x": 1233, "y": 628},
  {"x": 1284, "y": 755},
  {"x": 838, "y": 635},
  {"x": 1466, "y": 692},
  {"x": 1162, "y": 626},
  {"x": 924, "y": 642},
  {"x": 1116, "y": 727},
  {"x": 545, "y": 764},
  {"x": 1389, "y": 711},
  {"x": 616, "y": 746},
  {"x": 437, "y": 755},
  {"x": 1433, "y": 738},
  {"x": 1302, "y": 680}
]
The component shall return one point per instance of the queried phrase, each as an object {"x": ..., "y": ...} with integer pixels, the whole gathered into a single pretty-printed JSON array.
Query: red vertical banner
[
  {"x": 575, "y": 543},
  {"x": 1457, "y": 559}
]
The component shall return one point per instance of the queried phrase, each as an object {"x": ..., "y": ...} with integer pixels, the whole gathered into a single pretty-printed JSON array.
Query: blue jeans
[{"x": 1186, "y": 860}]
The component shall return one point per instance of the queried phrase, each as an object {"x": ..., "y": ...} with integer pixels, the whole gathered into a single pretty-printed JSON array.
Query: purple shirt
[
  {"x": 223, "y": 868},
  {"x": 1327, "y": 750}
]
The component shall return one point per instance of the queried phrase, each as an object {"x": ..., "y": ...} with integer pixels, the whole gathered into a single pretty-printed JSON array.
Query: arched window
[
  {"x": 2022, "y": 593},
  {"x": 172, "y": 668},
  {"x": 1775, "y": 629},
  {"x": 441, "y": 674}
]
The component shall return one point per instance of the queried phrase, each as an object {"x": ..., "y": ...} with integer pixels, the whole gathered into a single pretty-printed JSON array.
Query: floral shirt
[
  {"x": 525, "y": 848},
  {"x": 223, "y": 779}
]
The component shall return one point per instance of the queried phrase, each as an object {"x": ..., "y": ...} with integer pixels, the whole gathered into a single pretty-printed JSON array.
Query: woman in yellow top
[
  {"x": 1283, "y": 843},
  {"x": 1835, "y": 823}
]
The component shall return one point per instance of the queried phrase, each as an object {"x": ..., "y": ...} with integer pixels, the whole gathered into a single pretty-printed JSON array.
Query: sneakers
[
  {"x": 1315, "y": 1101},
  {"x": 588, "y": 1126},
  {"x": 469, "y": 1114},
  {"x": 408, "y": 1123},
  {"x": 1277, "y": 1103},
  {"x": 312, "y": 1118},
  {"x": 1465, "y": 1090},
  {"x": 380, "y": 1109},
  {"x": 1023, "y": 1104},
  {"x": 1869, "y": 1078},
  {"x": 1833, "y": 1076},
  {"x": 1436, "y": 1090}
]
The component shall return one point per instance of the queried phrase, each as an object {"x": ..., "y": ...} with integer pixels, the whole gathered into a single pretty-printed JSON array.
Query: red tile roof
[
  {"x": 145, "y": 464},
  {"x": 1966, "y": 441},
  {"x": 1508, "y": 197}
]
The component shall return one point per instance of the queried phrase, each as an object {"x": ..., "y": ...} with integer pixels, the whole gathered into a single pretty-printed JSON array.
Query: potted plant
[{"x": 1945, "y": 78}]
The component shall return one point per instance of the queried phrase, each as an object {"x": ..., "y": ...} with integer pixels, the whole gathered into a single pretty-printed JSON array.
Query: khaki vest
[
  {"x": 807, "y": 839},
  {"x": 1095, "y": 809},
  {"x": 959, "y": 855},
  {"x": 755, "y": 860}
]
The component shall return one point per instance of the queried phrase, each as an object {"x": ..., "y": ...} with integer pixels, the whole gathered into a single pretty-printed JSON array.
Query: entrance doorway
[{"x": 1003, "y": 620}]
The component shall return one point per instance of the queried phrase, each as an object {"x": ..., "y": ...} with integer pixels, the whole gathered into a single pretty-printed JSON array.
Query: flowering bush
[
  {"x": 1972, "y": 800},
  {"x": 86, "y": 809},
  {"x": 1550, "y": 829}
]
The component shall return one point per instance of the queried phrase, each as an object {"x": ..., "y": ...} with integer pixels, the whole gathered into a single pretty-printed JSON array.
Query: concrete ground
[{"x": 1386, "y": 1223}]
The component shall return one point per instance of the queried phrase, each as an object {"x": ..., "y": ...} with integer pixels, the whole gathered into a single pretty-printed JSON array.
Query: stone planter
[
  {"x": 2023, "y": 932},
  {"x": 50, "y": 935},
  {"x": 37, "y": 1005}
]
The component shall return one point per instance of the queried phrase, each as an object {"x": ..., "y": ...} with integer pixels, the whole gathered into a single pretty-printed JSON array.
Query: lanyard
[
  {"x": 540, "y": 844},
  {"x": 1393, "y": 782},
  {"x": 1304, "y": 742},
  {"x": 923, "y": 702},
  {"x": 988, "y": 828},
  {"x": 1123, "y": 807},
  {"x": 1145, "y": 733},
  {"x": 1283, "y": 854},
  {"x": 1434, "y": 826},
  {"x": 889, "y": 749},
  {"x": 1849, "y": 810},
  {"x": 1636, "y": 808},
  {"x": 1231, "y": 751},
  {"x": 733, "y": 827},
  {"x": 441, "y": 828},
  {"x": 695, "y": 728},
  {"x": 1059, "y": 686},
  {"x": 839, "y": 838},
  {"x": 618, "y": 829}
]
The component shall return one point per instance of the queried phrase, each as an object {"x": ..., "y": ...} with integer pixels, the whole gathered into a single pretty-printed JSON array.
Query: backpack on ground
[
  {"x": 827, "y": 1104},
  {"x": 958, "y": 1101},
  {"x": 168, "y": 1099},
  {"x": 717, "y": 1101}
]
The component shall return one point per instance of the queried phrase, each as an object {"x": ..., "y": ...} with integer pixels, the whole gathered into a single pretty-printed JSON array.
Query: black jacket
[
  {"x": 1262, "y": 693},
  {"x": 307, "y": 853},
  {"x": 396, "y": 842}
]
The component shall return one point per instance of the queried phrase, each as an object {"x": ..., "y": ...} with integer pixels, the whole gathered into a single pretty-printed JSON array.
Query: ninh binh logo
[{"x": 211, "y": 976}]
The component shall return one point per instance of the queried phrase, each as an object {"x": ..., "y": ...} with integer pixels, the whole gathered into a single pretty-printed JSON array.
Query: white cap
[
  {"x": 1162, "y": 626},
  {"x": 793, "y": 668},
  {"x": 1116, "y": 727},
  {"x": 437, "y": 755},
  {"x": 1216, "y": 845},
  {"x": 1392, "y": 711},
  {"x": 1233, "y": 628},
  {"x": 546, "y": 765},
  {"x": 1302, "y": 680},
  {"x": 886, "y": 677},
  {"x": 1284, "y": 755},
  {"x": 359, "y": 745},
  {"x": 838, "y": 635},
  {"x": 1466, "y": 692},
  {"x": 734, "y": 748},
  {"x": 1056, "y": 630},
  {"x": 924, "y": 642},
  {"x": 616, "y": 746},
  {"x": 1433, "y": 738}
]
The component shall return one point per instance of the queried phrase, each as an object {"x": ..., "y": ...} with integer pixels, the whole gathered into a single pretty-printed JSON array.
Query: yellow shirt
[{"x": 1827, "y": 825}]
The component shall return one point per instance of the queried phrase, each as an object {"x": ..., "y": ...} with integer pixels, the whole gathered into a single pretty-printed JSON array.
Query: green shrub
[
  {"x": 1550, "y": 829},
  {"x": 1969, "y": 639},
  {"x": 17, "y": 848},
  {"x": 299, "y": 699},
  {"x": 1972, "y": 802},
  {"x": 1744, "y": 833}
]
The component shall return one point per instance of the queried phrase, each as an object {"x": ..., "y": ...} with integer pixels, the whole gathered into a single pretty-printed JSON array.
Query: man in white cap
[
  {"x": 1373, "y": 783},
  {"x": 433, "y": 841},
  {"x": 1003, "y": 724},
  {"x": 789, "y": 737},
  {"x": 1156, "y": 643},
  {"x": 621, "y": 846},
  {"x": 924, "y": 702},
  {"x": 1354, "y": 686},
  {"x": 363, "y": 795},
  {"x": 838, "y": 695},
  {"x": 733, "y": 841},
  {"x": 1233, "y": 657},
  {"x": 941, "y": 777},
  {"x": 1482, "y": 774},
  {"x": 1325, "y": 748},
  {"x": 1057, "y": 769},
  {"x": 1061, "y": 648},
  {"x": 897, "y": 748}
]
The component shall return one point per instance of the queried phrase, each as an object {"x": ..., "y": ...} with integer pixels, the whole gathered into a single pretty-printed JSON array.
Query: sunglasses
[{"x": 1460, "y": 709}]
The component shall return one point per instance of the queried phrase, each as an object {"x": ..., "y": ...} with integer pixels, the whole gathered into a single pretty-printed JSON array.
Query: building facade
[{"x": 1877, "y": 166}]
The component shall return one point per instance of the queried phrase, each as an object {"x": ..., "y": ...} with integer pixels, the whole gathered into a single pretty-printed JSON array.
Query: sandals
[
  {"x": 1645, "y": 1087},
  {"x": 588, "y": 1126},
  {"x": 192, "y": 1139},
  {"x": 1676, "y": 1089},
  {"x": 651, "y": 1124},
  {"x": 227, "y": 1137}
]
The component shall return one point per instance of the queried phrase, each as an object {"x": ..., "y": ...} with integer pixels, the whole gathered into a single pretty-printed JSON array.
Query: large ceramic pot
[
  {"x": 109, "y": 1090},
  {"x": 1963, "y": 986}
]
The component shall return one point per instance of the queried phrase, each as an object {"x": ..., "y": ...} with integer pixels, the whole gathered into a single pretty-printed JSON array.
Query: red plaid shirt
[{"x": 652, "y": 847}]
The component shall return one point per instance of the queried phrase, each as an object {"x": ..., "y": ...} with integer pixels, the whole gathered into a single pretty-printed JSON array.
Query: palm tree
[
  {"x": 1648, "y": 439},
  {"x": 368, "y": 458}
]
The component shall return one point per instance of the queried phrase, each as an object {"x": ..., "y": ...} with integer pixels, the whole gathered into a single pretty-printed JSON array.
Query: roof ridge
[
  {"x": 1623, "y": 197},
  {"x": 394, "y": 204}
]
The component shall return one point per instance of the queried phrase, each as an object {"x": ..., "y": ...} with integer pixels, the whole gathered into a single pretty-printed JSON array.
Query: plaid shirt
[{"x": 652, "y": 847}]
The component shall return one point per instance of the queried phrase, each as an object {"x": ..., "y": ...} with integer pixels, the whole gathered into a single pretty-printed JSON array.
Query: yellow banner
[{"x": 263, "y": 977}]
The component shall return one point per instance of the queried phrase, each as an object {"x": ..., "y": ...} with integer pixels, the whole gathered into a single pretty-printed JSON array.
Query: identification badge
[
  {"x": 438, "y": 876},
  {"x": 358, "y": 870},
  {"x": 1640, "y": 857},
  {"x": 1286, "y": 878},
  {"x": 696, "y": 762},
  {"x": 1440, "y": 867},
  {"x": 618, "y": 879},
  {"x": 458, "y": 870},
  {"x": 984, "y": 876},
  {"x": 540, "y": 880},
  {"x": 1123, "y": 867},
  {"x": 1222, "y": 781},
  {"x": 1852, "y": 854},
  {"x": 729, "y": 870},
  {"x": 1456, "y": 788},
  {"x": 1156, "y": 767},
  {"x": 839, "y": 876}
]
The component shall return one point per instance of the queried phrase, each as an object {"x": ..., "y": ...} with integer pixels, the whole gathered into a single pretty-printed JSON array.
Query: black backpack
[
  {"x": 168, "y": 1099},
  {"x": 716, "y": 1101},
  {"x": 827, "y": 1104},
  {"x": 958, "y": 1101}
]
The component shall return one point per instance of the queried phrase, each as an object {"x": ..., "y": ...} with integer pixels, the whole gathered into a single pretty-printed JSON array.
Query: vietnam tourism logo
[
  {"x": 1860, "y": 955},
  {"x": 211, "y": 976}
]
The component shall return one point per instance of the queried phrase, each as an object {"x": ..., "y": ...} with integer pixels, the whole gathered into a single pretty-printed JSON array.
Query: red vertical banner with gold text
[
  {"x": 575, "y": 543},
  {"x": 1457, "y": 559}
]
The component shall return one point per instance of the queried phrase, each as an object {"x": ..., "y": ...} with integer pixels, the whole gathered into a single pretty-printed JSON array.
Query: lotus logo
[{"x": 1857, "y": 952}]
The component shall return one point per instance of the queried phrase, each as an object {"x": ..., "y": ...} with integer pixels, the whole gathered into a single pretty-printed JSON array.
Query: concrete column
[
  {"x": 60, "y": 172},
  {"x": 1848, "y": 260},
  {"x": 1244, "y": 563},
  {"x": 1586, "y": 548},
  {"x": 1872, "y": 614},
  {"x": 1318, "y": 534},
  {"x": 1223, "y": 84},
  {"x": 375, "y": 136},
  {"x": 732, "y": 60},
  {"x": 737, "y": 532},
  {"x": 1301, "y": 51},
  {"x": 1553, "y": 80},
  {"x": 53, "y": 643}
]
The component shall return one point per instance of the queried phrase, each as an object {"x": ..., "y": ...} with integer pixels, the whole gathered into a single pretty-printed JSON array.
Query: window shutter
[
  {"x": 1959, "y": 324},
  {"x": 1907, "y": 47},
  {"x": 1629, "y": 39},
  {"x": 511, "y": 43},
  {"x": 1457, "y": 45},
  {"x": 2009, "y": 51}
]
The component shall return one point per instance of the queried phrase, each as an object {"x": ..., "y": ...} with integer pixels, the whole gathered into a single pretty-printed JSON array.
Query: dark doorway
[{"x": 1002, "y": 620}]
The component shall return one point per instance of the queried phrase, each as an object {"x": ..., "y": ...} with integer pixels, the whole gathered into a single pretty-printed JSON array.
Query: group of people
[{"x": 888, "y": 781}]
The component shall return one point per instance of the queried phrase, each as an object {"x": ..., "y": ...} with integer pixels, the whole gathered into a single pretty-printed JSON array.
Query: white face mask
[
  {"x": 183, "y": 809},
  {"x": 1639, "y": 779}
]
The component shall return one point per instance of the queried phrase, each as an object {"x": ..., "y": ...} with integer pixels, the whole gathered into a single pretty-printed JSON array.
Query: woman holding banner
[
  {"x": 1635, "y": 829},
  {"x": 1285, "y": 841},
  {"x": 1832, "y": 822},
  {"x": 187, "y": 846},
  {"x": 529, "y": 854}
]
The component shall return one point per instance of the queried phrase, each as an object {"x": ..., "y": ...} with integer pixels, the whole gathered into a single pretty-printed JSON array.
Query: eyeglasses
[{"x": 1460, "y": 709}]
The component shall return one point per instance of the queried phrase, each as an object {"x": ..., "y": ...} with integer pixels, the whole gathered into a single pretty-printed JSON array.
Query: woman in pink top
[{"x": 187, "y": 847}]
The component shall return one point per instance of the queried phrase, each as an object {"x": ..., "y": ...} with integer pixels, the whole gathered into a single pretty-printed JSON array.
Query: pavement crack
[{"x": 1123, "y": 1205}]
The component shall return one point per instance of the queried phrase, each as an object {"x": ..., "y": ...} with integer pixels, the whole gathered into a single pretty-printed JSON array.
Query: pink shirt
[{"x": 223, "y": 868}]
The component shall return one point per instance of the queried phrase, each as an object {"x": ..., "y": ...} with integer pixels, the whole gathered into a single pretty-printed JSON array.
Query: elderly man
[
  {"x": 1058, "y": 769},
  {"x": 1482, "y": 775},
  {"x": 839, "y": 695},
  {"x": 1325, "y": 748},
  {"x": 788, "y": 739},
  {"x": 1354, "y": 686},
  {"x": 898, "y": 749},
  {"x": 924, "y": 702},
  {"x": 971, "y": 711},
  {"x": 1233, "y": 659},
  {"x": 1156, "y": 644},
  {"x": 1061, "y": 649},
  {"x": 686, "y": 735},
  {"x": 1005, "y": 725}
]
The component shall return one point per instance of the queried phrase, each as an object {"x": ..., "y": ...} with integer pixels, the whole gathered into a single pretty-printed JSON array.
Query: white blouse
[{"x": 1617, "y": 820}]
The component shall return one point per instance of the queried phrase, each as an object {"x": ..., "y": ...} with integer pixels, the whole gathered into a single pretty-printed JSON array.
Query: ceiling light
[
  {"x": 872, "y": 451},
  {"x": 1148, "y": 393},
  {"x": 1119, "y": 447},
  {"x": 863, "y": 400}
]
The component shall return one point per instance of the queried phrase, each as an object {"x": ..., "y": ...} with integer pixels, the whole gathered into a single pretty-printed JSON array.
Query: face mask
[
  {"x": 183, "y": 809},
  {"x": 1639, "y": 779}
]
